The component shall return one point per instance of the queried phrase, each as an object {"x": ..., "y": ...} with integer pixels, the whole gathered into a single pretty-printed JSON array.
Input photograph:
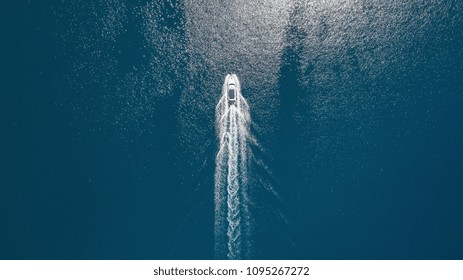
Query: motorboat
[{"x": 231, "y": 89}]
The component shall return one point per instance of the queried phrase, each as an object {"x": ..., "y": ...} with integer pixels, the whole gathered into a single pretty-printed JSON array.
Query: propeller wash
[{"x": 232, "y": 223}]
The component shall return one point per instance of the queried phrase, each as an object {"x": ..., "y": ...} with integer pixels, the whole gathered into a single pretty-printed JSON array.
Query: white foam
[{"x": 231, "y": 182}]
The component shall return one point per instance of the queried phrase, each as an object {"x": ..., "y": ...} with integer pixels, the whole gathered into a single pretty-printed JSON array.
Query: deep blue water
[{"x": 108, "y": 142}]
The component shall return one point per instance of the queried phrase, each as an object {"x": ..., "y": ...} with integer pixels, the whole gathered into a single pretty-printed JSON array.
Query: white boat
[{"x": 231, "y": 90}]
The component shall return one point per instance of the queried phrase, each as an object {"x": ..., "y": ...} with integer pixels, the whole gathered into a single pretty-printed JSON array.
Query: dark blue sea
[{"x": 108, "y": 144}]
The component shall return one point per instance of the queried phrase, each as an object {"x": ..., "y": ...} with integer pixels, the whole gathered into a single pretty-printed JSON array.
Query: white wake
[{"x": 231, "y": 183}]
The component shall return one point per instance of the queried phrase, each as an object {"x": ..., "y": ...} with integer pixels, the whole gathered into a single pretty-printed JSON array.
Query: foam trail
[{"x": 231, "y": 181}]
